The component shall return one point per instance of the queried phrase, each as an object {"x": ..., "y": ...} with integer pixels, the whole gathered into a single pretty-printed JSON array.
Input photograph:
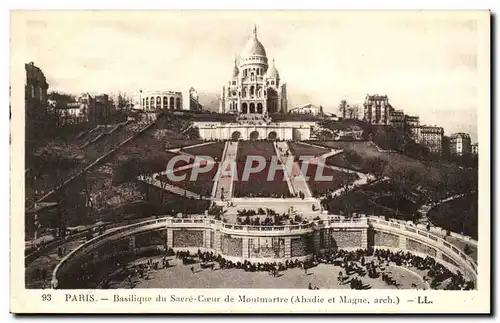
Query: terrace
[
  {"x": 321, "y": 187},
  {"x": 257, "y": 184},
  {"x": 300, "y": 149},
  {"x": 213, "y": 149},
  {"x": 203, "y": 183}
]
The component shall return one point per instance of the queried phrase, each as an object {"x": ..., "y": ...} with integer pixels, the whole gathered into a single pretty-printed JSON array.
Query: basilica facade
[{"x": 255, "y": 86}]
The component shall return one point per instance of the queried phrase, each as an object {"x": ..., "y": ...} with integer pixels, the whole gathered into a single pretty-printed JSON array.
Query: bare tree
[
  {"x": 342, "y": 108},
  {"x": 353, "y": 111},
  {"x": 376, "y": 166},
  {"x": 403, "y": 182}
]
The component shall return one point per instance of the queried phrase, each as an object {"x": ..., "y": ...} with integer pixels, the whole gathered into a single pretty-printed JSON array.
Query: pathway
[
  {"x": 226, "y": 172},
  {"x": 363, "y": 178},
  {"x": 298, "y": 182},
  {"x": 281, "y": 148},
  {"x": 168, "y": 187},
  {"x": 180, "y": 150}
]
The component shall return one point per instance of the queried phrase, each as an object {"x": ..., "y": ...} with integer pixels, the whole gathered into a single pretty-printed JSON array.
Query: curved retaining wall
[
  {"x": 265, "y": 243},
  {"x": 405, "y": 237}
]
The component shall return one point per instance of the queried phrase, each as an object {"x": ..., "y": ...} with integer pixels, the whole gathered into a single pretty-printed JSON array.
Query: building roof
[
  {"x": 309, "y": 106},
  {"x": 253, "y": 47},
  {"x": 460, "y": 134},
  {"x": 34, "y": 73}
]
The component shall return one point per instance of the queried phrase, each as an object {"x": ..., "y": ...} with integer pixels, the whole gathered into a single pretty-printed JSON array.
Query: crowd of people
[
  {"x": 356, "y": 262},
  {"x": 271, "y": 220},
  {"x": 274, "y": 195},
  {"x": 438, "y": 275},
  {"x": 354, "y": 265}
]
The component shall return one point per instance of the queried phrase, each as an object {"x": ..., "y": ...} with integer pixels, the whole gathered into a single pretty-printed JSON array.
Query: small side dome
[{"x": 272, "y": 72}]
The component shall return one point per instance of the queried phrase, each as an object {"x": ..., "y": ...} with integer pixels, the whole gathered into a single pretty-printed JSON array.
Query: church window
[
  {"x": 234, "y": 82},
  {"x": 252, "y": 90},
  {"x": 258, "y": 71},
  {"x": 272, "y": 82},
  {"x": 251, "y": 77}
]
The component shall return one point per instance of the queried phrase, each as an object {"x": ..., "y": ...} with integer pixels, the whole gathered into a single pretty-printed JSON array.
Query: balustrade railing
[
  {"x": 467, "y": 259},
  {"x": 217, "y": 224}
]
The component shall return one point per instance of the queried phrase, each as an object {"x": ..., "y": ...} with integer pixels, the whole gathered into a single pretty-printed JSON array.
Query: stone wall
[
  {"x": 301, "y": 246},
  {"x": 212, "y": 239},
  {"x": 419, "y": 247},
  {"x": 345, "y": 239},
  {"x": 154, "y": 238},
  {"x": 266, "y": 247},
  {"x": 386, "y": 239},
  {"x": 122, "y": 244},
  {"x": 106, "y": 249},
  {"x": 187, "y": 238},
  {"x": 231, "y": 246}
]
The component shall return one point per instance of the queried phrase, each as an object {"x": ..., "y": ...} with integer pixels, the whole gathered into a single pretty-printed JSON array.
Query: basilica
[{"x": 255, "y": 86}]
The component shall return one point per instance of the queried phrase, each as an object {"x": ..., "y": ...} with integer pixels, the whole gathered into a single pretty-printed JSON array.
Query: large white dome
[{"x": 253, "y": 47}]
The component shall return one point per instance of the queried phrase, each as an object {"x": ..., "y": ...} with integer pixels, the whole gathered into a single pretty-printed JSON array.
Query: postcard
[{"x": 250, "y": 162}]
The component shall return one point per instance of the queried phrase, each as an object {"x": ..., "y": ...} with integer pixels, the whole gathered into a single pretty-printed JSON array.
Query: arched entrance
[
  {"x": 236, "y": 135},
  {"x": 244, "y": 108},
  {"x": 254, "y": 135},
  {"x": 252, "y": 107},
  {"x": 171, "y": 106},
  {"x": 259, "y": 107},
  {"x": 297, "y": 136},
  {"x": 272, "y": 135}
]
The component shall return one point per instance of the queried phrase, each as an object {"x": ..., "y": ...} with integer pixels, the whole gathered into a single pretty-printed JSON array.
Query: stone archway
[
  {"x": 254, "y": 135},
  {"x": 272, "y": 135},
  {"x": 259, "y": 107},
  {"x": 236, "y": 136},
  {"x": 297, "y": 135},
  {"x": 252, "y": 107},
  {"x": 244, "y": 108}
]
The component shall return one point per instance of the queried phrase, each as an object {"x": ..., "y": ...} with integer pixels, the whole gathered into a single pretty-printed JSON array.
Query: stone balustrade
[
  {"x": 295, "y": 241},
  {"x": 427, "y": 241}
]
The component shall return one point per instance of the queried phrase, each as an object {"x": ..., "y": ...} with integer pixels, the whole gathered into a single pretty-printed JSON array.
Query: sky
[{"x": 427, "y": 64}]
